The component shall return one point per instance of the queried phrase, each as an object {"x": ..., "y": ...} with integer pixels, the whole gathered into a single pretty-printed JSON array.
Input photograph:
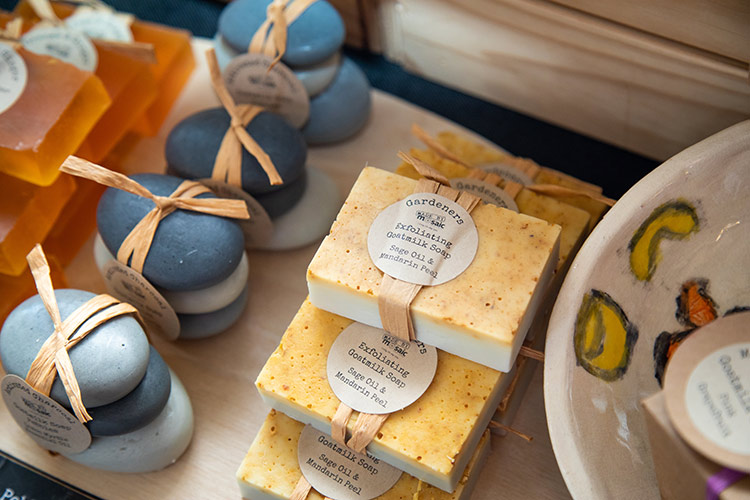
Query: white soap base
[
  {"x": 364, "y": 309},
  {"x": 201, "y": 301},
  {"x": 149, "y": 448},
  {"x": 311, "y": 218},
  {"x": 379, "y": 451}
]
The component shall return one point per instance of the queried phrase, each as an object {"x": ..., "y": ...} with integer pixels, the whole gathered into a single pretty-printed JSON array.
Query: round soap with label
[
  {"x": 109, "y": 363},
  {"x": 707, "y": 391},
  {"x": 313, "y": 37},
  {"x": 190, "y": 250},
  {"x": 192, "y": 146}
]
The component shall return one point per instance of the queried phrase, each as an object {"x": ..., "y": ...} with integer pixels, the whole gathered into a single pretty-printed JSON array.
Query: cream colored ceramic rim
[{"x": 559, "y": 347}]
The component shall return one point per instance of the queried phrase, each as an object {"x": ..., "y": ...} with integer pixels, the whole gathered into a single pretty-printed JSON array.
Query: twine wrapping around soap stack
[
  {"x": 270, "y": 38},
  {"x": 52, "y": 358},
  {"x": 228, "y": 163},
  {"x": 12, "y": 32},
  {"x": 529, "y": 168},
  {"x": 136, "y": 245},
  {"x": 140, "y": 50}
]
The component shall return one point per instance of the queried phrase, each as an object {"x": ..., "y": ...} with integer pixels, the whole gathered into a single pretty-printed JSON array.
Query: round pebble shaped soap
[
  {"x": 190, "y": 250},
  {"x": 313, "y": 37},
  {"x": 138, "y": 408},
  {"x": 342, "y": 109},
  {"x": 193, "y": 144},
  {"x": 198, "y": 326},
  {"x": 109, "y": 363},
  {"x": 277, "y": 203},
  {"x": 150, "y": 448}
]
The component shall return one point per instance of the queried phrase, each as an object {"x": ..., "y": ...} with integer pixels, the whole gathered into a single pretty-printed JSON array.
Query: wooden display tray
[{"x": 219, "y": 372}]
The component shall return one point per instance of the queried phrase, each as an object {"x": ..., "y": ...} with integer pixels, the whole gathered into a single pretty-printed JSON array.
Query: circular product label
[
  {"x": 62, "y": 43},
  {"x": 707, "y": 391},
  {"x": 130, "y": 286},
  {"x": 485, "y": 191},
  {"x": 339, "y": 472},
  {"x": 250, "y": 82},
  {"x": 258, "y": 229},
  {"x": 48, "y": 423},
  {"x": 508, "y": 172},
  {"x": 13, "y": 76},
  {"x": 100, "y": 23},
  {"x": 425, "y": 239},
  {"x": 374, "y": 372}
]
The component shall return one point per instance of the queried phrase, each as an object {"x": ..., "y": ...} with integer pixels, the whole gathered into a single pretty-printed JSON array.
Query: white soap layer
[
  {"x": 416, "y": 469},
  {"x": 311, "y": 218},
  {"x": 364, "y": 309},
  {"x": 201, "y": 301},
  {"x": 149, "y": 448}
]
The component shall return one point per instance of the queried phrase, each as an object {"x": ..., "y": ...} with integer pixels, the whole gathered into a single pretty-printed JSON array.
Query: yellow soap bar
[
  {"x": 475, "y": 154},
  {"x": 482, "y": 314},
  {"x": 27, "y": 214},
  {"x": 58, "y": 108},
  {"x": 270, "y": 469},
  {"x": 431, "y": 439},
  {"x": 573, "y": 221}
]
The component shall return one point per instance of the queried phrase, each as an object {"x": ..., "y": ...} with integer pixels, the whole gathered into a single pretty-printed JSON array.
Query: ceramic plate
[{"x": 671, "y": 255}]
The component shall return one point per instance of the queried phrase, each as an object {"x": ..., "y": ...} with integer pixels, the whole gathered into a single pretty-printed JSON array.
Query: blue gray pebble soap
[
  {"x": 109, "y": 363},
  {"x": 192, "y": 146},
  {"x": 314, "y": 36},
  {"x": 190, "y": 250}
]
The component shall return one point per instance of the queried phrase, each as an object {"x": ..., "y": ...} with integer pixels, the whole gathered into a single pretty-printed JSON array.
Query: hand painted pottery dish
[{"x": 672, "y": 255}]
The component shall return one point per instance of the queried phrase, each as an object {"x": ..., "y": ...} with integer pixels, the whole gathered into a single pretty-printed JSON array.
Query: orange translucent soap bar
[
  {"x": 58, "y": 108},
  {"x": 75, "y": 224},
  {"x": 175, "y": 62},
  {"x": 27, "y": 214},
  {"x": 16, "y": 289}
]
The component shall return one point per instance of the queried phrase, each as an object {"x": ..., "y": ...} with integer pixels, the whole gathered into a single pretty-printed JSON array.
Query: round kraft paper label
[
  {"x": 339, "y": 472},
  {"x": 508, "y": 172},
  {"x": 279, "y": 90},
  {"x": 47, "y": 422},
  {"x": 13, "y": 76},
  {"x": 258, "y": 228},
  {"x": 425, "y": 239},
  {"x": 100, "y": 23},
  {"x": 707, "y": 391},
  {"x": 374, "y": 372},
  {"x": 130, "y": 286},
  {"x": 62, "y": 43},
  {"x": 485, "y": 191}
]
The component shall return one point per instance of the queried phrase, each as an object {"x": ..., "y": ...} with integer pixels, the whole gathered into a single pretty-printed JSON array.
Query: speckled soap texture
[
  {"x": 109, "y": 363},
  {"x": 342, "y": 109},
  {"x": 314, "y": 36},
  {"x": 190, "y": 250}
]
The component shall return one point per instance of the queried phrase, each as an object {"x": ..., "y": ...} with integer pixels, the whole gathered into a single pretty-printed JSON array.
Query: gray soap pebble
[
  {"x": 193, "y": 144},
  {"x": 198, "y": 326},
  {"x": 342, "y": 109},
  {"x": 141, "y": 406},
  {"x": 150, "y": 448},
  {"x": 109, "y": 363},
  {"x": 279, "y": 202},
  {"x": 190, "y": 250},
  {"x": 314, "y": 36}
]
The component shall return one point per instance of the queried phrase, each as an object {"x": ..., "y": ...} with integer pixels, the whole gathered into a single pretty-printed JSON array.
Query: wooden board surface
[{"x": 219, "y": 372}]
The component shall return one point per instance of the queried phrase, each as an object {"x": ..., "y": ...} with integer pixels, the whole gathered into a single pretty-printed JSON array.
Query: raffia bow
[
  {"x": 270, "y": 38},
  {"x": 136, "y": 245},
  {"x": 53, "y": 359},
  {"x": 228, "y": 163}
]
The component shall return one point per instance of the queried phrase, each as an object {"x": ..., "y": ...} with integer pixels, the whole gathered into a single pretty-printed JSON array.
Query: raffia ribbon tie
[
  {"x": 270, "y": 37},
  {"x": 53, "y": 359},
  {"x": 11, "y": 34},
  {"x": 136, "y": 245},
  {"x": 228, "y": 162}
]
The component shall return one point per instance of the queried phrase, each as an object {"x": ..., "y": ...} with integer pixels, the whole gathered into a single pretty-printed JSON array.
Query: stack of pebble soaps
[
  {"x": 142, "y": 419},
  {"x": 196, "y": 260},
  {"x": 338, "y": 90},
  {"x": 477, "y": 320}
]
